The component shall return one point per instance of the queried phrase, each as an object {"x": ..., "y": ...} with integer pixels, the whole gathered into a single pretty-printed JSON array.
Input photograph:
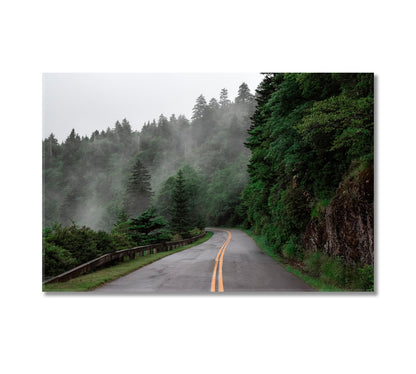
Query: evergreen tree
[
  {"x": 180, "y": 220},
  {"x": 124, "y": 132},
  {"x": 244, "y": 96},
  {"x": 183, "y": 123},
  {"x": 145, "y": 228},
  {"x": 201, "y": 125},
  {"x": 138, "y": 193},
  {"x": 224, "y": 101},
  {"x": 307, "y": 131},
  {"x": 213, "y": 104},
  {"x": 95, "y": 135},
  {"x": 122, "y": 217},
  {"x": 199, "y": 108},
  {"x": 50, "y": 150},
  {"x": 163, "y": 127},
  {"x": 71, "y": 149},
  {"x": 245, "y": 100}
]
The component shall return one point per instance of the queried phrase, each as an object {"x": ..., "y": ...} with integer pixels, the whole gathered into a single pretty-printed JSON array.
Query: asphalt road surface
[{"x": 228, "y": 262}]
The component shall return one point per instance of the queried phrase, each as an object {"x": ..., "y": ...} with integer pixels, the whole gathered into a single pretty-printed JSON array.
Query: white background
[{"x": 195, "y": 334}]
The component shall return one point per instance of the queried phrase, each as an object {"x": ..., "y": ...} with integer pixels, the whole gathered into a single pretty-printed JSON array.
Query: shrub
[
  {"x": 104, "y": 242},
  {"x": 360, "y": 278},
  {"x": 56, "y": 260},
  {"x": 337, "y": 272},
  {"x": 292, "y": 251},
  {"x": 176, "y": 237},
  {"x": 367, "y": 277},
  {"x": 333, "y": 271},
  {"x": 122, "y": 241},
  {"x": 79, "y": 241},
  {"x": 312, "y": 263},
  {"x": 195, "y": 232}
]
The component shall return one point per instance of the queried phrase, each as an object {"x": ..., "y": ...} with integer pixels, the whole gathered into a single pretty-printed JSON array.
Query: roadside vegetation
[
  {"x": 121, "y": 188},
  {"x": 310, "y": 192},
  {"x": 97, "y": 278},
  {"x": 293, "y": 163},
  {"x": 321, "y": 271}
]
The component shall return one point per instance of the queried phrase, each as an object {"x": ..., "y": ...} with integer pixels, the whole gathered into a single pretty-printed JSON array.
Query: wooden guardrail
[{"x": 119, "y": 255}]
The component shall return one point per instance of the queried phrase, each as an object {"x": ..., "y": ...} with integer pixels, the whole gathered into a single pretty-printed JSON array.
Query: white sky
[{"x": 94, "y": 101}]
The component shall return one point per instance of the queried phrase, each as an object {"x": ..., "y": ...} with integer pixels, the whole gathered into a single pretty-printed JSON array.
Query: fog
[
  {"x": 86, "y": 179},
  {"x": 95, "y": 101}
]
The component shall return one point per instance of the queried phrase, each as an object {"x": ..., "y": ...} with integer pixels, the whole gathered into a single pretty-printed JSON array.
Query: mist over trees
[
  {"x": 292, "y": 163},
  {"x": 93, "y": 180}
]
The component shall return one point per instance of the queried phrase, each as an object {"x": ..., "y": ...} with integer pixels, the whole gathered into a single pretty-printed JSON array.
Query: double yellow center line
[{"x": 218, "y": 264}]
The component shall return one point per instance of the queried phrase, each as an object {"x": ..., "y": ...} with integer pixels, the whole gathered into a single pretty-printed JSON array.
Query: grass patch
[
  {"x": 316, "y": 283},
  {"x": 97, "y": 278}
]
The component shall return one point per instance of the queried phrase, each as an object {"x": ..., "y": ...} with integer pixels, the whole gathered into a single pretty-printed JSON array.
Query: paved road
[{"x": 228, "y": 262}]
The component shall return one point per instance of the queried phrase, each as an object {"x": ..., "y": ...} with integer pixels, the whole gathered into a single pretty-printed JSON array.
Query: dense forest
[
  {"x": 311, "y": 173},
  {"x": 168, "y": 180},
  {"x": 293, "y": 163}
]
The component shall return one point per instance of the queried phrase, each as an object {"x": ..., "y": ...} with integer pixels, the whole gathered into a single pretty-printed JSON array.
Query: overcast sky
[{"x": 92, "y": 101}]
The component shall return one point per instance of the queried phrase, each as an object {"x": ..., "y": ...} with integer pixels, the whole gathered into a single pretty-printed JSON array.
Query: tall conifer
[{"x": 139, "y": 193}]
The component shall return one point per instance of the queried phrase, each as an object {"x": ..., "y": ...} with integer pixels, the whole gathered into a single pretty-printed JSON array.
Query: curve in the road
[
  {"x": 230, "y": 258},
  {"x": 219, "y": 260}
]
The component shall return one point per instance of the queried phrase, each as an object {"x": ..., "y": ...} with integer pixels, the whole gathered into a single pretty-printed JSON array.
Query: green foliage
[
  {"x": 138, "y": 192},
  {"x": 181, "y": 200},
  {"x": 313, "y": 262},
  {"x": 97, "y": 278},
  {"x": 84, "y": 178},
  {"x": 89, "y": 180},
  {"x": 180, "y": 220},
  {"x": 122, "y": 240},
  {"x": 146, "y": 228},
  {"x": 195, "y": 232},
  {"x": 177, "y": 237},
  {"x": 306, "y": 132},
  {"x": 319, "y": 208},
  {"x": 340, "y": 124},
  {"x": 56, "y": 259},
  {"x": 68, "y": 246},
  {"x": 337, "y": 272},
  {"x": 366, "y": 277},
  {"x": 292, "y": 251}
]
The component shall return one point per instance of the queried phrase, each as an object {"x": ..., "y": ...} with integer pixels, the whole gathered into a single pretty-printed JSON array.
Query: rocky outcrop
[{"x": 347, "y": 227}]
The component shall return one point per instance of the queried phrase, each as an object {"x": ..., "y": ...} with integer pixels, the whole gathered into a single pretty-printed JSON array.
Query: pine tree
[
  {"x": 50, "y": 150},
  {"x": 200, "y": 108},
  {"x": 124, "y": 131},
  {"x": 138, "y": 193},
  {"x": 180, "y": 221},
  {"x": 244, "y": 98},
  {"x": 201, "y": 124},
  {"x": 71, "y": 149},
  {"x": 224, "y": 101},
  {"x": 244, "y": 94},
  {"x": 145, "y": 228},
  {"x": 213, "y": 104}
]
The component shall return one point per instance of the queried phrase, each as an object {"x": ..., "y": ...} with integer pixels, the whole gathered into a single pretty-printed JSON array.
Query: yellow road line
[
  {"x": 215, "y": 271},
  {"x": 219, "y": 261}
]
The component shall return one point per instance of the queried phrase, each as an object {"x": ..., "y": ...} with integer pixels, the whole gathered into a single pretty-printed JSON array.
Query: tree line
[
  {"x": 309, "y": 134},
  {"x": 166, "y": 181},
  {"x": 280, "y": 163}
]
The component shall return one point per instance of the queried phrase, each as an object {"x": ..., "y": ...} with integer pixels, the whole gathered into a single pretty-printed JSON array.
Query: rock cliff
[{"x": 346, "y": 228}]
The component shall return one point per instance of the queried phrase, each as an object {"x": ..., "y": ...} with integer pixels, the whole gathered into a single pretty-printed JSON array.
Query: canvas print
[{"x": 208, "y": 183}]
